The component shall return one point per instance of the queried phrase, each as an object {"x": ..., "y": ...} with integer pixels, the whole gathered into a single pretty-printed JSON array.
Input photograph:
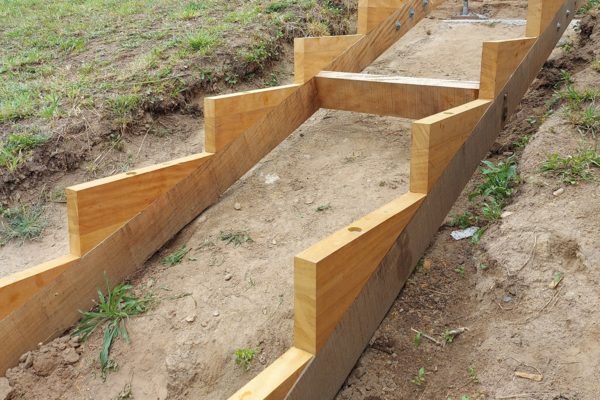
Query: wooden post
[
  {"x": 540, "y": 13},
  {"x": 228, "y": 116},
  {"x": 312, "y": 54},
  {"x": 371, "y": 13}
]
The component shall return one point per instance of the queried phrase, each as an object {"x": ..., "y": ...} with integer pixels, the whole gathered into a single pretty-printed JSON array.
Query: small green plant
[
  {"x": 244, "y": 357},
  {"x": 472, "y": 374},
  {"x": 324, "y": 207},
  {"x": 21, "y": 222},
  {"x": 116, "y": 141},
  {"x": 591, "y": 4},
  {"x": 572, "y": 169},
  {"x": 460, "y": 270},
  {"x": 235, "y": 237},
  {"x": 176, "y": 257},
  {"x": 522, "y": 141},
  {"x": 124, "y": 104},
  {"x": 499, "y": 180},
  {"x": 478, "y": 234},
  {"x": 587, "y": 120},
  {"x": 483, "y": 267},
  {"x": 203, "y": 42},
  {"x": 419, "y": 379},
  {"x": 448, "y": 336},
  {"x": 112, "y": 312},
  {"x": 464, "y": 220},
  {"x": 491, "y": 210},
  {"x": 17, "y": 148},
  {"x": 418, "y": 339},
  {"x": 596, "y": 65}
]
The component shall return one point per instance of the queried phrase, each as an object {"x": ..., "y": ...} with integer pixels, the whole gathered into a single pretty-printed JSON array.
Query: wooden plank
[
  {"x": 329, "y": 275},
  {"x": 312, "y": 54},
  {"x": 396, "y": 96},
  {"x": 274, "y": 382},
  {"x": 498, "y": 61},
  {"x": 371, "y": 46},
  {"x": 436, "y": 139},
  {"x": 326, "y": 373},
  {"x": 371, "y": 13},
  {"x": 229, "y": 115},
  {"x": 539, "y": 15},
  {"x": 54, "y": 309},
  {"x": 98, "y": 208},
  {"x": 17, "y": 288}
]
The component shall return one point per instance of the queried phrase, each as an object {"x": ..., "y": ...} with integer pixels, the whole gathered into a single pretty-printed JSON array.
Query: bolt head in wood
[
  {"x": 411, "y": 12},
  {"x": 398, "y": 25}
]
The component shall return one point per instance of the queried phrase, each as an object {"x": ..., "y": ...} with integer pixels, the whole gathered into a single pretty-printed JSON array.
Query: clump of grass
[
  {"x": 203, "y": 42},
  {"x": 22, "y": 222},
  {"x": 123, "y": 104},
  {"x": 596, "y": 65},
  {"x": 473, "y": 374},
  {"x": 244, "y": 357},
  {"x": 464, "y": 220},
  {"x": 419, "y": 379},
  {"x": 460, "y": 270},
  {"x": 17, "y": 148},
  {"x": 235, "y": 237},
  {"x": 112, "y": 313},
  {"x": 591, "y": 4},
  {"x": 587, "y": 120},
  {"x": 176, "y": 257},
  {"x": 499, "y": 180},
  {"x": 573, "y": 168}
]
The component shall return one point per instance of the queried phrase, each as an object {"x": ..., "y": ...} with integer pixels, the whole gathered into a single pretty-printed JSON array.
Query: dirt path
[{"x": 335, "y": 168}]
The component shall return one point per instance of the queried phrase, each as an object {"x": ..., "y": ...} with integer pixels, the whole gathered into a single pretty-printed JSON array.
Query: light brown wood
[
  {"x": 436, "y": 139},
  {"x": 539, "y": 14},
  {"x": 54, "y": 309},
  {"x": 229, "y": 115},
  {"x": 498, "y": 61},
  {"x": 396, "y": 96},
  {"x": 323, "y": 377},
  {"x": 329, "y": 275},
  {"x": 312, "y": 54},
  {"x": 371, "y": 13},
  {"x": 274, "y": 382},
  {"x": 98, "y": 208},
  {"x": 17, "y": 288}
]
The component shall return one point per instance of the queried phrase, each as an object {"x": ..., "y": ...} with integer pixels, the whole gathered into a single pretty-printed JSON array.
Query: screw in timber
[
  {"x": 558, "y": 26},
  {"x": 398, "y": 25},
  {"x": 568, "y": 13},
  {"x": 425, "y": 3},
  {"x": 411, "y": 12}
]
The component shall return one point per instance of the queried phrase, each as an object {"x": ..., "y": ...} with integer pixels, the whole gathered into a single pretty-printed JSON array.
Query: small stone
[
  {"x": 237, "y": 206},
  {"x": 508, "y": 153},
  {"x": 507, "y": 298},
  {"x": 274, "y": 241},
  {"x": 24, "y": 357},
  {"x": 204, "y": 324},
  {"x": 43, "y": 364},
  {"x": 506, "y": 214},
  {"x": 228, "y": 277},
  {"x": 75, "y": 341},
  {"x": 309, "y": 200},
  {"x": 5, "y": 389},
  {"x": 427, "y": 264},
  {"x": 558, "y": 192},
  {"x": 70, "y": 356},
  {"x": 28, "y": 361},
  {"x": 216, "y": 313},
  {"x": 190, "y": 318}
]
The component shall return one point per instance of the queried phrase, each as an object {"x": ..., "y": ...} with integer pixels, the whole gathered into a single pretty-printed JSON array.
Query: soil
[{"x": 224, "y": 297}]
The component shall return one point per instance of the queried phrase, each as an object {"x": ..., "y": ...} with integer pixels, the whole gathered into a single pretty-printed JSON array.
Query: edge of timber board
[
  {"x": 323, "y": 377},
  {"x": 371, "y": 13}
]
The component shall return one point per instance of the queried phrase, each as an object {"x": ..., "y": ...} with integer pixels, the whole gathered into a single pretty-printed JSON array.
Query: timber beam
[{"x": 396, "y": 96}]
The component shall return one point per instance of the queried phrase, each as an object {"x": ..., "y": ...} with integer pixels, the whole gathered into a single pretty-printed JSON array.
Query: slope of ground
[{"x": 528, "y": 292}]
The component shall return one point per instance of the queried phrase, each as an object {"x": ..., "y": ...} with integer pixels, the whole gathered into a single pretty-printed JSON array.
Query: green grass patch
[
  {"x": 244, "y": 357},
  {"x": 124, "y": 104},
  {"x": 21, "y": 222},
  {"x": 464, "y": 220},
  {"x": 235, "y": 237},
  {"x": 112, "y": 313},
  {"x": 572, "y": 169},
  {"x": 176, "y": 257},
  {"x": 17, "y": 147}
]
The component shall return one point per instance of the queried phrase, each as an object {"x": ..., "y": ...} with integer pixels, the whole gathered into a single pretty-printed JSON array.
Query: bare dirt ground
[{"x": 223, "y": 297}]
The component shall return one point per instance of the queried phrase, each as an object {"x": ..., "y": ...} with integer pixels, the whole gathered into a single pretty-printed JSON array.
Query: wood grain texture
[
  {"x": 229, "y": 115},
  {"x": 323, "y": 377},
  {"x": 329, "y": 275},
  {"x": 371, "y": 13},
  {"x": 395, "y": 96},
  {"x": 54, "y": 309},
  {"x": 17, "y": 288},
  {"x": 498, "y": 61},
  {"x": 312, "y": 54},
  {"x": 539, "y": 14},
  {"x": 98, "y": 208},
  {"x": 274, "y": 382},
  {"x": 436, "y": 139}
]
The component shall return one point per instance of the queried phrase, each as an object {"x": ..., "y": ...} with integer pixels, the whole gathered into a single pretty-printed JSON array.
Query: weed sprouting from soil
[
  {"x": 572, "y": 169},
  {"x": 244, "y": 357},
  {"x": 112, "y": 312},
  {"x": 17, "y": 147},
  {"x": 464, "y": 220},
  {"x": 21, "y": 222},
  {"x": 235, "y": 237},
  {"x": 176, "y": 257},
  {"x": 419, "y": 379}
]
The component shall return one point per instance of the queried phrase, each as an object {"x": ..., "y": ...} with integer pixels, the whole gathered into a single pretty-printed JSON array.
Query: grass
[
  {"x": 244, "y": 357},
  {"x": 176, "y": 257},
  {"x": 464, "y": 220},
  {"x": 572, "y": 169},
  {"x": 419, "y": 379},
  {"x": 21, "y": 222},
  {"x": 17, "y": 147},
  {"x": 112, "y": 313},
  {"x": 591, "y": 4},
  {"x": 235, "y": 237}
]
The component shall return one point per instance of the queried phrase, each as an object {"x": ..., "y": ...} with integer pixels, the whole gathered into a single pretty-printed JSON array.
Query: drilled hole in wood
[{"x": 355, "y": 229}]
